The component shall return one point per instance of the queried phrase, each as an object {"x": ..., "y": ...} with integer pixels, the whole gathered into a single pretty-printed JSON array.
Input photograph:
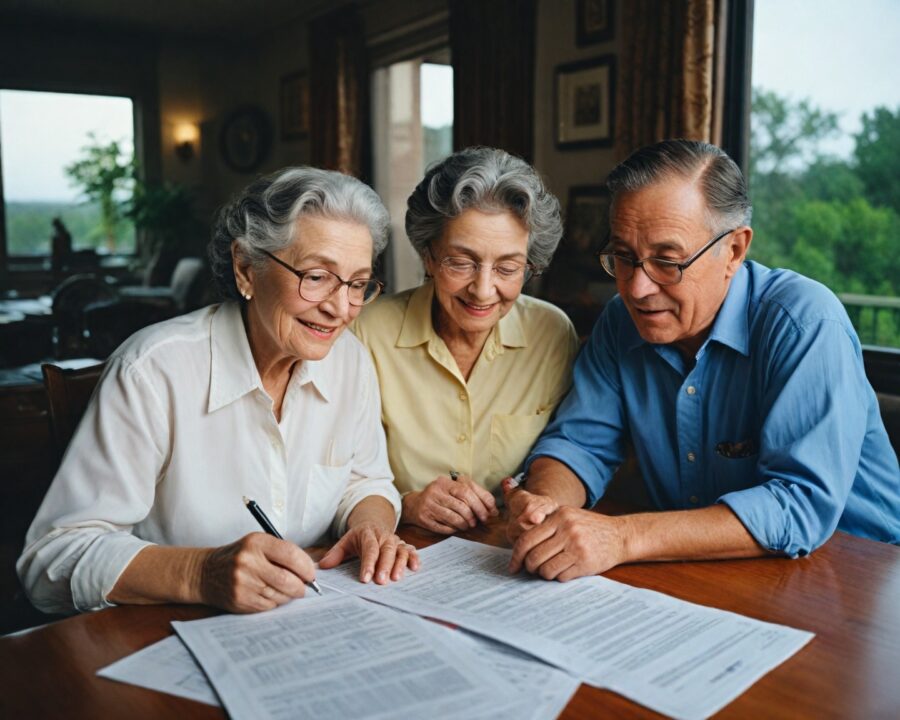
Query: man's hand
[
  {"x": 383, "y": 556},
  {"x": 569, "y": 543},
  {"x": 446, "y": 505},
  {"x": 526, "y": 510}
]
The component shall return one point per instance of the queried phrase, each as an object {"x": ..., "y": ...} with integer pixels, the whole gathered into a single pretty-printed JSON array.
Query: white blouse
[{"x": 179, "y": 429}]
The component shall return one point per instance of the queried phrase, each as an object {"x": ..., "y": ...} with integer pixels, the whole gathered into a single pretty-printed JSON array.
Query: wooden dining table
[{"x": 847, "y": 593}]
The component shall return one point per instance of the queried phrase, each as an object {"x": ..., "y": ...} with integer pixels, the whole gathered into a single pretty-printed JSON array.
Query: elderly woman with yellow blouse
[
  {"x": 263, "y": 396},
  {"x": 470, "y": 369}
]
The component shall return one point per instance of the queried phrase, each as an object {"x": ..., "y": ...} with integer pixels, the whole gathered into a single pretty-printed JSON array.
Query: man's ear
[
  {"x": 243, "y": 270},
  {"x": 738, "y": 243}
]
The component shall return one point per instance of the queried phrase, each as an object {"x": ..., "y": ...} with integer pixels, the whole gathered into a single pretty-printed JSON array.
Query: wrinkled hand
[
  {"x": 570, "y": 543},
  {"x": 258, "y": 572},
  {"x": 382, "y": 554},
  {"x": 446, "y": 505},
  {"x": 526, "y": 510}
]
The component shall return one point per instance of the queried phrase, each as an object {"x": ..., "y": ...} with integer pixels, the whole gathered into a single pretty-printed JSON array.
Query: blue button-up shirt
[{"x": 776, "y": 418}]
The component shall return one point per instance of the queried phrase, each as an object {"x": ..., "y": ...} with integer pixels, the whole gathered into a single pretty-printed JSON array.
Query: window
[
  {"x": 47, "y": 140},
  {"x": 825, "y": 152},
  {"x": 412, "y": 128}
]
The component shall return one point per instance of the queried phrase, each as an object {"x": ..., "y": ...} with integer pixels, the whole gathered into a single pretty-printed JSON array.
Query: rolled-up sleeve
[
  {"x": 371, "y": 472},
  {"x": 587, "y": 433},
  {"x": 815, "y": 419},
  {"x": 80, "y": 540}
]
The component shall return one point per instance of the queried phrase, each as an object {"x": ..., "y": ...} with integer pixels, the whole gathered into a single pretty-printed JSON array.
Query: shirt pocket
[
  {"x": 511, "y": 438},
  {"x": 327, "y": 484},
  {"x": 732, "y": 474}
]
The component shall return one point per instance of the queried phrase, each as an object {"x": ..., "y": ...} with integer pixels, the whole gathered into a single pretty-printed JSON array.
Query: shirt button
[
  {"x": 461, "y": 438},
  {"x": 462, "y": 396},
  {"x": 278, "y": 504},
  {"x": 691, "y": 457},
  {"x": 694, "y": 499},
  {"x": 691, "y": 390}
]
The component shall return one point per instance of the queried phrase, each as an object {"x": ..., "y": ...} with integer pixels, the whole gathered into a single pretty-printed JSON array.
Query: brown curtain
[
  {"x": 492, "y": 51},
  {"x": 339, "y": 94},
  {"x": 668, "y": 73}
]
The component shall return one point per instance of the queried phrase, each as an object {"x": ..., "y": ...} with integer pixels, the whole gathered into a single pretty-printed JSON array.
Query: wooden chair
[{"x": 68, "y": 393}]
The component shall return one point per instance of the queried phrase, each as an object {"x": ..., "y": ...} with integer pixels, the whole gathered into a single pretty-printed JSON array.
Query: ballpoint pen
[
  {"x": 266, "y": 524},
  {"x": 453, "y": 475}
]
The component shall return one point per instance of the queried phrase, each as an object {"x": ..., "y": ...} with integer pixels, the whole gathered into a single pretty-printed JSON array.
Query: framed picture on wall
[
  {"x": 594, "y": 21},
  {"x": 294, "y": 106},
  {"x": 584, "y": 96}
]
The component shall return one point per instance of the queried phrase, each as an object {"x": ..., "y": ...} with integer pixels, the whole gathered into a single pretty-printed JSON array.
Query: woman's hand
[
  {"x": 382, "y": 554},
  {"x": 446, "y": 505},
  {"x": 258, "y": 572}
]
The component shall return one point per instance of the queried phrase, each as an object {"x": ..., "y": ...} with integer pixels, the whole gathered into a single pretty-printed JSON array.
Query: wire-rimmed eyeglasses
[
  {"x": 507, "y": 271},
  {"x": 317, "y": 284},
  {"x": 659, "y": 270}
]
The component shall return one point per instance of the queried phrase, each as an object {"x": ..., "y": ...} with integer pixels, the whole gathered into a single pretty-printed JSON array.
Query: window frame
[{"x": 53, "y": 58}]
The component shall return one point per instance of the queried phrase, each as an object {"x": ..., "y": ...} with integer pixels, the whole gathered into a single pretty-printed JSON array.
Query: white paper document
[
  {"x": 684, "y": 660},
  {"x": 166, "y": 666},
  {"x": 340, "y": 657},
  {"x": 542, "y": 691}
]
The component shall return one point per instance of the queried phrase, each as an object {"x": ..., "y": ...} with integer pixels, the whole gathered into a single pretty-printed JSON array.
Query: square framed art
[
  {"x": 594, "y": 21},
  {"x": 584, "y": 103}
]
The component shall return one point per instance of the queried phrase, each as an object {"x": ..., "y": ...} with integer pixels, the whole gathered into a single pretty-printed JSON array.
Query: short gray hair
[
  {"x": 721, "y": 181},
  {"x": 489, "y": 180},
  {"x": 264, "y": 216}
]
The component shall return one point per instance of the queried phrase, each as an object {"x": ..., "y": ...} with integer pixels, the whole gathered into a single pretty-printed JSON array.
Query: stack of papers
[{"x": 338, "y": 656}]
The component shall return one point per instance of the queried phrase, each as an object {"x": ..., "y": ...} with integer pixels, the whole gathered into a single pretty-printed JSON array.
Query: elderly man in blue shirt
[{"x": 742, "y": 390}]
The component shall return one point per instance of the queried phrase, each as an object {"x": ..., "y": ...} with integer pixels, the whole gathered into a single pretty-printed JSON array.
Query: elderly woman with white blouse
[{"x": 264, "y": 396}]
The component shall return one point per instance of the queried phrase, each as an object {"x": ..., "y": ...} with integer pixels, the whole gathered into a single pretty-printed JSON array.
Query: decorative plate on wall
[{"x": 245, "y": 138}]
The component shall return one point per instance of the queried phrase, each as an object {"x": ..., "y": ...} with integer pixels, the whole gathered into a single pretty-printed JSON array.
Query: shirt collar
[
  {"x": 417, "y": 328},
  {"x": 233, "y": 372},
  {"x": 316, "y": 372},
  {"x": 731, "y": 326}
]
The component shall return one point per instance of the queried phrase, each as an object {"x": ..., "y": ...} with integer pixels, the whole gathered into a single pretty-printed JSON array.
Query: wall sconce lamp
[{"x": 186, "y": 135}]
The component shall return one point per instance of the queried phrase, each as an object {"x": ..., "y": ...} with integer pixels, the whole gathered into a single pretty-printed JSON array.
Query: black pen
[{"x": 266, "y": 524}]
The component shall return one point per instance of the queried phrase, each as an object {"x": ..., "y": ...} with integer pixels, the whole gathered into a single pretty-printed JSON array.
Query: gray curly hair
[
  {"x": 485, "y": 179},
  {"x": 263, "y": 216}
]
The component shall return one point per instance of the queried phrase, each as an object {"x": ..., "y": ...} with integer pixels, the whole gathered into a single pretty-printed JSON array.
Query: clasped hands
[
  {"x": 560, "y": 543},
  {"x": 447, "y": 505},
  {"x": 260, "y": 572}
]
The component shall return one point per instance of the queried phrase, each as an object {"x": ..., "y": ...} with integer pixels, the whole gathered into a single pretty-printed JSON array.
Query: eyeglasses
[
  {"x": 506, "y": 271},
  {"x": 318, "y": 284},
  {"x": 659, "y": 270}
]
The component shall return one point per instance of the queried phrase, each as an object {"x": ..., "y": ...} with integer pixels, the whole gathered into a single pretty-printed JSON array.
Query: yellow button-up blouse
[{"x": 436, "y": 421}]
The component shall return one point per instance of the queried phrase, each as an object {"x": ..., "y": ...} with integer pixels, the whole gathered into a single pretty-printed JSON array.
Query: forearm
[
  {"x": 159, "y": 574},
  {"x": 407, "y": 513},
  {"x": 373, "y": 509},
  {"x": 555, "y": 480},
  {"x": 710, "y": 533}
]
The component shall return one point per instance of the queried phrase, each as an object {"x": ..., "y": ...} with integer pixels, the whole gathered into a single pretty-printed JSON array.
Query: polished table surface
[{"x": 847, "y": 592}]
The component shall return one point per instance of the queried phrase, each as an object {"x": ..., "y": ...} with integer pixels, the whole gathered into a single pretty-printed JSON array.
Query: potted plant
[{"x": 164, "y": 211}]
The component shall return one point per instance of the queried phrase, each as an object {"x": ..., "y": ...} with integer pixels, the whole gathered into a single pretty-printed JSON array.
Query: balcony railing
[{"x": 875, "y": 317}]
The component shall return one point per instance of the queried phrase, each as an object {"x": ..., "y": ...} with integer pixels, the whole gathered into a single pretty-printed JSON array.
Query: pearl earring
[{"x": 247, "y": 296}]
